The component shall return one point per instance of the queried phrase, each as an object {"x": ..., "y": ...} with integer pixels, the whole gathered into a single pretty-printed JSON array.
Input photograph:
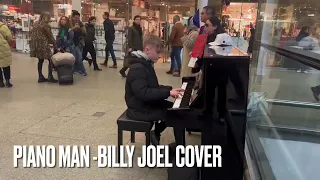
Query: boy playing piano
[{"x": 145, "y": 98}]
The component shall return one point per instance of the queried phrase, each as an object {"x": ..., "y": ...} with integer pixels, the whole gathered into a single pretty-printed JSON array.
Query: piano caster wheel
[{"x": 189, "y": 132}]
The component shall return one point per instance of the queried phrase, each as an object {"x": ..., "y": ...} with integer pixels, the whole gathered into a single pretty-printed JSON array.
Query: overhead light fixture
[{"x": 311, "y": 15}]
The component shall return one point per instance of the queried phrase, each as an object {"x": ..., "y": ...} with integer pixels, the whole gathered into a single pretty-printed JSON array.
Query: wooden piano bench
[{"x": 127, "y": 124}]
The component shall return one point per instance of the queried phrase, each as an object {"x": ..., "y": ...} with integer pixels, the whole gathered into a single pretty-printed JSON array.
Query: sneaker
[
  {"x": 84, "y": 74},
  {"x": 316, "y": 94},
  {"x": 306, "y": 71},
  {"x": 2, "y": 84},
  {"x": 114, "y": 66},
  {"x": 299, "y": 71},
  {"x": 97, "y": 69}
]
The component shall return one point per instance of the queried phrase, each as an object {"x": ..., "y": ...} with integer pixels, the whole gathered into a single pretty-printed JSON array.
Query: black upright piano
[{"x": 219, "y": 63}]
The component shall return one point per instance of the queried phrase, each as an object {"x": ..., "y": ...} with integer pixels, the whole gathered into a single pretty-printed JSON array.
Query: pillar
[
  {"x": 76, "y": 5},
  {"x": 202, "y": 3}
]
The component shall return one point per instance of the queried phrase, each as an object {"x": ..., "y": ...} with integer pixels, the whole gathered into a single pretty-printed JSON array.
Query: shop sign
[
  {"x": 13, "y": 8},
  {"x": 63, "y": 6}
]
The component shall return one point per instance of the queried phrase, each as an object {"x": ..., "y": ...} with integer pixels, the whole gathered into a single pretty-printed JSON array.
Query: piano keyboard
[{"x": 184, "y": 100}]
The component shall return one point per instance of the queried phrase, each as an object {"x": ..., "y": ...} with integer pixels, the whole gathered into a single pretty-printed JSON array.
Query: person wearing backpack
[{"x": 6, "y": 57}]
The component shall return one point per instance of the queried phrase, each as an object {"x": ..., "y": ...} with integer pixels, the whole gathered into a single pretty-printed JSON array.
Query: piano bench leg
[
  {"x": 133, "y": 137},
  {"x": 148, "y": 138},
  {"x": 120, "y": 139}
]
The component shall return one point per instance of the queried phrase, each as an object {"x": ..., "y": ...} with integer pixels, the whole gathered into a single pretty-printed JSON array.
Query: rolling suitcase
[
  {"x": 64, "y": 62},
  {"x": 65, "y": 74}
]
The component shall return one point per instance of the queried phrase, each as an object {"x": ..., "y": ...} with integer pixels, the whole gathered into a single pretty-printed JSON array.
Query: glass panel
[
  {"x": 283, "y": 112},
  {"x": 293, "y": 23}
]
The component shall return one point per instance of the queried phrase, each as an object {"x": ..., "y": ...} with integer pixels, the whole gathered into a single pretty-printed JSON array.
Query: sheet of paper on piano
[{"x": 192, "y": 62}]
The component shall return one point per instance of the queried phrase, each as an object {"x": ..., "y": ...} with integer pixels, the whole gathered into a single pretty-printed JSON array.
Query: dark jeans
[
  {"x": 78, "y": 66},
  {"x": 40, "y": 64},
  {"x": 89, "y": 48},
  {"x": 6, "y": 72},
  {"x": 175, "y": 58},
  {"x": 109, "y": 49}
]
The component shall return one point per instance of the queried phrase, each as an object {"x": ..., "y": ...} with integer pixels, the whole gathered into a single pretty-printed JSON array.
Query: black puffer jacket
[{"x": 143, "y": 92}]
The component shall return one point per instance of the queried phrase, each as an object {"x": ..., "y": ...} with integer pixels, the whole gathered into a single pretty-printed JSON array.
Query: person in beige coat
[
  {"x": 5, "y": 55},
  {"x": 188, "y": 40}
]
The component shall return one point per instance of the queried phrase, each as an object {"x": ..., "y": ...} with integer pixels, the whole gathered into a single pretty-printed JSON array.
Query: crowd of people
[
  {"x": 73, "y": 37},
  {"x": 78, "y": 38}
]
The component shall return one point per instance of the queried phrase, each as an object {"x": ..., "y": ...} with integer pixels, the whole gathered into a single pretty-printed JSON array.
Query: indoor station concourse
[{"x": 277, "y": 138}]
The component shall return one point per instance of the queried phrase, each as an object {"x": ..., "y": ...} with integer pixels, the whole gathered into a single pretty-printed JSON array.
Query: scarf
[{"x": 63, "y": 31}]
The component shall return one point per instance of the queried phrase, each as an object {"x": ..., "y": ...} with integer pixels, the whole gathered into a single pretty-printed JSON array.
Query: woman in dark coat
[
  {"x": 40, "y": 45},
  {"x": 134, "y": 42}
]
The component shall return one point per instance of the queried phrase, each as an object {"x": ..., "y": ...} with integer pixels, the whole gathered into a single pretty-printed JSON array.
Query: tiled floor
[{"x": 49, "y": 114}]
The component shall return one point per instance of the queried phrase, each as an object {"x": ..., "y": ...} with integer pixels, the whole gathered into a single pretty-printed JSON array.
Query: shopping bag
[{"x": 258, "y": 105}]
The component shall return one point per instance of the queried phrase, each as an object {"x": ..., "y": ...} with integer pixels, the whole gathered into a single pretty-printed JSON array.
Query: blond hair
[{"x": 152, "y": 40}]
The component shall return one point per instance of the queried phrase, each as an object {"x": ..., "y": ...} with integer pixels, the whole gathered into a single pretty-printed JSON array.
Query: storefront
[{"x": 156, "y": 15}]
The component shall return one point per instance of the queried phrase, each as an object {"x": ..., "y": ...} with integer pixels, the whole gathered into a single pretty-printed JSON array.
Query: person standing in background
[
  {"x": 109, "y": 37},
  {"x": 188, "y": 40},
  {"x": 80, "y": 33},
  {"x": 134, "y": 42},
  {"x": 89, "y": 47},
  {"x": 206, "y": 13},
  {"x": 64, "y": 39},
  {"x": 176, "y": 46},
  {"x": 251, "y": 41},
  {"x": 40, "y": 45},
  {"x": 6, "y": 57}
]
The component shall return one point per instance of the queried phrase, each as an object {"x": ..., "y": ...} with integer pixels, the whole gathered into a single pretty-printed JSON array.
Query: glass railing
[{"x": 283, "y": 122}]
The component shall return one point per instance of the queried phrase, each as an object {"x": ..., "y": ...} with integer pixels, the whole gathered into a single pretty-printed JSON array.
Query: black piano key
[{"x": 185, "y": 102}]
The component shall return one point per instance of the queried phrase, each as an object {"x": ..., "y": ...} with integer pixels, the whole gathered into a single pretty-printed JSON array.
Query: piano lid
[{"x": 218, "y": 51}]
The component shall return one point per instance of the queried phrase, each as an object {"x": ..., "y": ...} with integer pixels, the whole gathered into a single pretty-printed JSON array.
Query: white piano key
[{"x": 177, "y": 102}]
